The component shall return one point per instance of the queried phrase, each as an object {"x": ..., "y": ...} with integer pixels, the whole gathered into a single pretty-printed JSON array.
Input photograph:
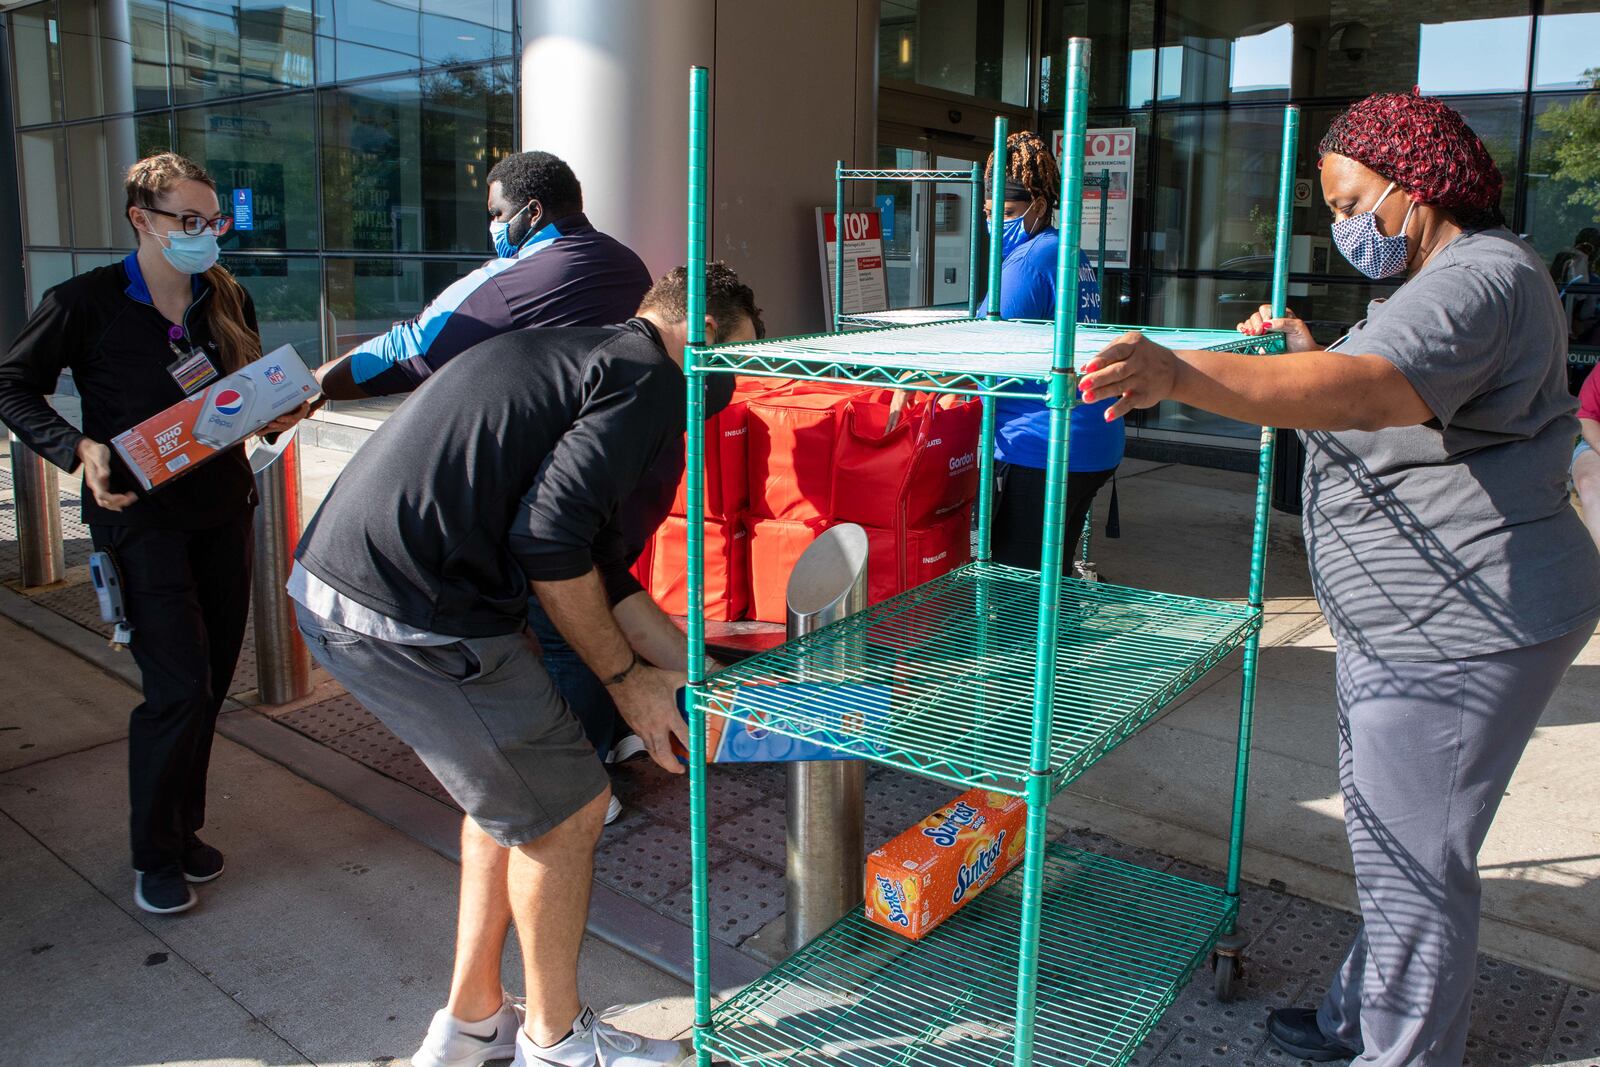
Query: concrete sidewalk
[{"x": 328, "y": 941}]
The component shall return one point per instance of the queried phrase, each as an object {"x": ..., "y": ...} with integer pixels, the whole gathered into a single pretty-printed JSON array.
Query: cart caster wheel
[{"x": 1227, "y": 971}]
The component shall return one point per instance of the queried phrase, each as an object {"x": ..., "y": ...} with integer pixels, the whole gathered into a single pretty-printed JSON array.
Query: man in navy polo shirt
[{"x": 551, "y": 268}]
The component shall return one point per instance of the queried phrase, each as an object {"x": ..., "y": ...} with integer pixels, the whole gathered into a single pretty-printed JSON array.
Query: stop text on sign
[{"x": 857, "y": 225}]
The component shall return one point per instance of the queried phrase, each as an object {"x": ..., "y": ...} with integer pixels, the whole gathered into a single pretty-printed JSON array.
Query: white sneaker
[
  {"x": 599, "y": 1044},
  {"x": 453, "y": 1043},
  {"x": 630, "y": 747},
  {"x": 613, "y": 810}
]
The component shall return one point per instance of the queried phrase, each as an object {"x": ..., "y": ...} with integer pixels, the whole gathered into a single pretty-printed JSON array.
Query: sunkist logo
[
  {"x": 895, "y": 899},
  {"x": 229, "y": 402},
  {"x": 944, "y": 835},
  {"x": 969, "y": 875}
]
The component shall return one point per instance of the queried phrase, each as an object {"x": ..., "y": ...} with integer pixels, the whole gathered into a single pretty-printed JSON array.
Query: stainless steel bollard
[
  {"x": 826, "y": 798},
  {"x": 283, "y": 666},
  {"x": 37, "y": 499}
]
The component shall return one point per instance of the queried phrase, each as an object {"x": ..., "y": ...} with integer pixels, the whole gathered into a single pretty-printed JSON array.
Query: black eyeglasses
[{"x": 195, "y": 225}]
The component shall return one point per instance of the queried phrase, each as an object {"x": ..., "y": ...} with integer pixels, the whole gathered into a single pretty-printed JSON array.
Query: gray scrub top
[{"x": 1457, "y": 538}]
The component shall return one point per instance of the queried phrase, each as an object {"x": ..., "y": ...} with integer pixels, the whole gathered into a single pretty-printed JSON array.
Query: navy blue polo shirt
[{"x": 566, "y": 274}]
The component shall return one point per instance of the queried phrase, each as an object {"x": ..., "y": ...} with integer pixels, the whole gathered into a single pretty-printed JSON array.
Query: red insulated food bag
[
  {"x": 897, "y": 562},
  {"x": 775, "y": 547},
  {"x": 791, "y": 439},
  {"x": 727, "y": 558},
  {"x": 925, "y": 467}
]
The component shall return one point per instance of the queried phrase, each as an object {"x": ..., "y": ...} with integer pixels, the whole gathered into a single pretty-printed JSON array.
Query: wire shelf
[
  {"x": 939, "y": 680},
  {"x": 1117, "y": 943},
  {"x": 859, "y": 175},
  {"x": 904, "y": 317},
  {"x": 980, "y": 357}
]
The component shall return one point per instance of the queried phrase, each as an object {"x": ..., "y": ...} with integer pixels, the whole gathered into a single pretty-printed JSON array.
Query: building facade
[{"x": 360, "y": 133}]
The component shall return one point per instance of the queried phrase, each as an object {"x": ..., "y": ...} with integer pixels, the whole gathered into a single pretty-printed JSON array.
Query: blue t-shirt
[{"x": 1022, "y": 427}]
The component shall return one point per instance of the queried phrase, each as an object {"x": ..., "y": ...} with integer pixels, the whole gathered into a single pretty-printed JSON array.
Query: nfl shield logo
[{"x": 275, "y": 375}]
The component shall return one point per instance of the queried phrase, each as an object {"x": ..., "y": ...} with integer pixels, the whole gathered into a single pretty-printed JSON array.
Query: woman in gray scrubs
[{"x": 1458, "y": 581}]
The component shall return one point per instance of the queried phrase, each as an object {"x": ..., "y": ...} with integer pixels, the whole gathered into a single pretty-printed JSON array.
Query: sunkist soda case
[
  {"x": 935, "y": 868},
  {"x": 232, "y": 408}
]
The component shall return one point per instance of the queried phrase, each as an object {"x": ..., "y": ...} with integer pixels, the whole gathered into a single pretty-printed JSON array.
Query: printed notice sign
[
  {"x": 244, "y": 209},
  {"x": 866, "y": 286},
  {"x": 1107, "y": 152}
]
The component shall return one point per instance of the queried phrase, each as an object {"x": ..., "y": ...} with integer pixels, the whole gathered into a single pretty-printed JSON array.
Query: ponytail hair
[{"x": 152, "y": 178}]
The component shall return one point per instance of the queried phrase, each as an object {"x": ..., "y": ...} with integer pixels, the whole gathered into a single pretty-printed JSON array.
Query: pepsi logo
[{"x": 228, "y": 402}]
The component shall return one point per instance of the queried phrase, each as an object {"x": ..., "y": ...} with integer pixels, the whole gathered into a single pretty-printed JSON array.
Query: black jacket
[
  {"x": 511, "y": 463},
  {"x": 104, "y": 327}
]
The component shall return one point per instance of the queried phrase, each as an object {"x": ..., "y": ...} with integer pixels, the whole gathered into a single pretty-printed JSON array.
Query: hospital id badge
[{"x": 192, "y": 372}]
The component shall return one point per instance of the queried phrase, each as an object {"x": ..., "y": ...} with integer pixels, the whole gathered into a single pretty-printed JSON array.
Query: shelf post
[
  {"x": 838, "y": 244},
  {"x": 1063, "y": 392},
  {"x": 1258, "y": 542},
  {"x": 975, "y": 228},
  {"x": 699, "y": 120},
  {"x": 997, "y": 212}
]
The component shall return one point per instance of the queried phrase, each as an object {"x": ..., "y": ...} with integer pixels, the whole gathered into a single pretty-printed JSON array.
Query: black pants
[
  {"x": 1019, "y": 514},
  {"x": 187, "y": 595}
]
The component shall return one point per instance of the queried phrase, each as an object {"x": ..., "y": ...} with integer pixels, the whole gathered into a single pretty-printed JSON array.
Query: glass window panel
[
  {"x": 45, "y": 271},
  {"x": 1215, "y": 201},
  {"x": 962, "y": 46},
  {"x": 406, "y": 161},
  {"x": 901, "y": 256},
  {"x": 288, "y": 297},
  {"x": 265, "y": 147},
  {"x": 100, "y": 154},
  {"x": 367, "y": 295},
  {"x": 1563, "y": 198},
  {"x": 44, "y": 187},
  {"x": 1121, "y": 71},
  {"x": 465, "y": 31},
  {"x": 1474, "y": 55},
  {"x": 1330, "y": 48},
  {"x": 87, "y": 261},
  {"x": 113, "y": 59},
  {"x": 1568, "y": 55},
  {"x": 228, "y": 49},
  {"x": 377, "y": 37},
  {"x": 36, "y": 64}
]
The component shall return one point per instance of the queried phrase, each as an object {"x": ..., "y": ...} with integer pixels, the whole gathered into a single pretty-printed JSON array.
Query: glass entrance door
[{"x": 927, "y": 228}]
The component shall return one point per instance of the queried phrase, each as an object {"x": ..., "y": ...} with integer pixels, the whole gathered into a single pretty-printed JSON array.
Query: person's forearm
[
  {"x": 337, "y": 381},
  {"x": 1300, "y": 391},
  {"x": 1591, "y": 432},
  {"x": 652, "y": 633},
  {"x": 579, "y": 610}
]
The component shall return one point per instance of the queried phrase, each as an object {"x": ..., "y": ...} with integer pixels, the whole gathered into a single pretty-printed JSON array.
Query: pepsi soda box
[
  {"x": 849, "y": 711},
  {"x": 215, "y": 419}
]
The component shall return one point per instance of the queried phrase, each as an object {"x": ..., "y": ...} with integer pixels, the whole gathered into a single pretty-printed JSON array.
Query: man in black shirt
[{"x": 508, "y": 470}]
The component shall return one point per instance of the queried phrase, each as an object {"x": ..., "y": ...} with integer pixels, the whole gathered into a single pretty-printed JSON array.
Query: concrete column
[
  {"x": 35, "y": 498},
  {"x": 605, "y": 86}
]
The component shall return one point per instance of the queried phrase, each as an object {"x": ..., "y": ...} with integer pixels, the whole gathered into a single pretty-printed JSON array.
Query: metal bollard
[
  {"x": 283, "y": 666},
  {"x": 36, "y": 490},
  {"x": 826, "y": 798}
]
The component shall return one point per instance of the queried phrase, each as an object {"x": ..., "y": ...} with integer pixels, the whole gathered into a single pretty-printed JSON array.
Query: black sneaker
[
  {"x": 163, "y": 891},
  {"x": 1295, "y": 1030},
  {"x": 201, "y": 862}
]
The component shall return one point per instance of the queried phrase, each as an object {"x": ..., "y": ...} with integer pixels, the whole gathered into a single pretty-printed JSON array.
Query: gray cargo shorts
[{"x": 481, "y": 713}]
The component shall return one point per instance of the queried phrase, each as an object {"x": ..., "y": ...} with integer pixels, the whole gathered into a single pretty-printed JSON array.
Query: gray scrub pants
[{"x": 1426, "y": 751}]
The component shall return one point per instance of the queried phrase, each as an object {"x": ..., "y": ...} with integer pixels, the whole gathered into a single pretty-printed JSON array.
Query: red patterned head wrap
[{"x": 1424, "y": 146}]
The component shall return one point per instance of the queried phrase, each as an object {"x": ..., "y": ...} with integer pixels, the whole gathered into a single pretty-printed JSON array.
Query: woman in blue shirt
[{"x": 1029, "y": 245}]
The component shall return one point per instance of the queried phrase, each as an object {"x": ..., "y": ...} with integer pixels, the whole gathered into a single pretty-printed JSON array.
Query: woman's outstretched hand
[
  {"x": 1133, "y": 367},
  {"x": 96, "y": 460},
  {"x": 1294, "y": 330}
]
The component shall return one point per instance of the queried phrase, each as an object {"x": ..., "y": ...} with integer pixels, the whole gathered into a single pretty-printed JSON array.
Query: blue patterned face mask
[
  {"x": 1369, "y": 251},
  {"x": 500, "y": 234}
]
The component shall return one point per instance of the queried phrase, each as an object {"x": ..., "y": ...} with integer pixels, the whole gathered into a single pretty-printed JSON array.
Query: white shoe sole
[
  {"x": 613, "y": 811},
  {"x": 473, "y": 1059},
  {"x": 138, "y": 898},
  {"x": 198, "y": 880},
  {"x": 629, "y": 748}
]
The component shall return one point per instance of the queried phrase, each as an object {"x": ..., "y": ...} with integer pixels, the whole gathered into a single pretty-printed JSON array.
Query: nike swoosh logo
[{"x": 493, "y": 1035}]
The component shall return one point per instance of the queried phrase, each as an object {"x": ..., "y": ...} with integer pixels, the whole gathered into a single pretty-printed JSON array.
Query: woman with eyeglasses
[
  {"x": 138, "y": 337},
  {"x": 1457, "y": 580}
]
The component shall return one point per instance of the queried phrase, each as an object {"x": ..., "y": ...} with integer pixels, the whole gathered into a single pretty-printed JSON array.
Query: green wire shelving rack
[{"x": 1005, "y": 678}]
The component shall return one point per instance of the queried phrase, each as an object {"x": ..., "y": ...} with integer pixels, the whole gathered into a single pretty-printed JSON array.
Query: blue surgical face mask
[
  {"x": 500, "y": 234},
  {"x": 1013, "y": 234},
  {"x": 1369, "y": 251},
  {"x": 191, "y": 255}
]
